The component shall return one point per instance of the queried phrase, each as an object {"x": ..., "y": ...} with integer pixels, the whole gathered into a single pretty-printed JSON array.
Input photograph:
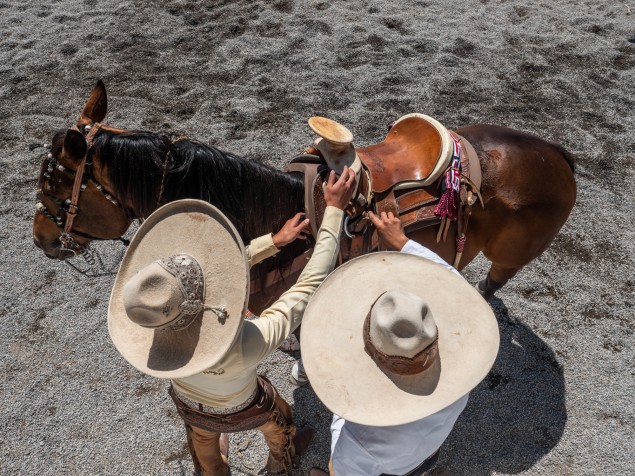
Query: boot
[{"x": 299, "y": 444}]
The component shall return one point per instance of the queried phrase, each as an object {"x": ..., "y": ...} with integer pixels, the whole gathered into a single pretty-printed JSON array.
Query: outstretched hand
[
  {"x": 389, "y": 230},
  {"x": 338, "y": 192},
  {"x": 294, "y": 228}
]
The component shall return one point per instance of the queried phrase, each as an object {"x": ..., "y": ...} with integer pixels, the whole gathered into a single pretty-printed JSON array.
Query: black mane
[{"x": 258, "y": 199}]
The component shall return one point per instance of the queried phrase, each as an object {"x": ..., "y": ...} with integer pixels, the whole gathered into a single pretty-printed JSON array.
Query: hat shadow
[
  {"x": 171, "y": 350},
  {"x": 516, "y": 415}
]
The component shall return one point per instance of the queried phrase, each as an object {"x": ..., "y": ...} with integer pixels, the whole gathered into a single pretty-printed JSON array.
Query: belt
[
  {"x": 426, "y": 465},
  {"x": 257, "y": 414},
  {"x": 217, "y": 410}
]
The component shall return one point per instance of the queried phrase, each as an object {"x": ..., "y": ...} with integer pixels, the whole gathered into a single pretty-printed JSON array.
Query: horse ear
[
  {"x": 97, "y": 104},
  {"x": 74, "y": 145}
]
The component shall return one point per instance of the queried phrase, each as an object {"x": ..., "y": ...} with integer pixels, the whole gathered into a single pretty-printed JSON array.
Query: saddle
[
  {"x": 414, "y": 154},
  {"x": 401, "y": 174}
]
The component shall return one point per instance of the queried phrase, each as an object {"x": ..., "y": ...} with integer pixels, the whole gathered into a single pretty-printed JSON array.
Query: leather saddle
[
  {"x": 414, "y": 154},
  {"x": 400, "y": 174}
]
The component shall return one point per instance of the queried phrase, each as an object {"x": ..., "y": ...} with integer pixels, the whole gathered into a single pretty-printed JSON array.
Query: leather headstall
[
  {"x": 65, "y": 238},
  {"x": 71, "y": 204}
]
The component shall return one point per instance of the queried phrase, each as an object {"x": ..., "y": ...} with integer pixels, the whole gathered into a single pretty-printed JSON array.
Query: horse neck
[
  {"x": 257, "y": 198},
  {"x": 143, "y": 167}
]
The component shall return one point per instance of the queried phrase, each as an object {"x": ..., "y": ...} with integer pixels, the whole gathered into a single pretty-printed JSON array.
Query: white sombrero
[
  {"x": 179, "y": 297},
  {"x": 390, "y": 338}
]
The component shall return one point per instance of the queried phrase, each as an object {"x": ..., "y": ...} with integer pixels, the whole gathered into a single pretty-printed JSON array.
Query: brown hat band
[{"x": 397, "y": 363}]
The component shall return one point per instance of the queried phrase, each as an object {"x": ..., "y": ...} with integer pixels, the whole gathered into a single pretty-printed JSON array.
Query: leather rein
[{"x": 71, "y": 204}]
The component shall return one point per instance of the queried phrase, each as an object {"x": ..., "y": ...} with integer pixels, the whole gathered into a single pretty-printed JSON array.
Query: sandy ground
[{"x": 245, "y": 76}]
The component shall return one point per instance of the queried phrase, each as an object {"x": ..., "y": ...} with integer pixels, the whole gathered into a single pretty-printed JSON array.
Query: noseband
[{"x": 67, "y": 241}]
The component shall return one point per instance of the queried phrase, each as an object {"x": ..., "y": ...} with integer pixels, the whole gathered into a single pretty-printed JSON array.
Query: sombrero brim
[
  {"x": 351, "y": 384},
  {"x": 202, "y": 231}
]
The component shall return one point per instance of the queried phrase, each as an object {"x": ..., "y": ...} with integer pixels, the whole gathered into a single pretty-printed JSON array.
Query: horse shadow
[{"x": 514, "y": 417}]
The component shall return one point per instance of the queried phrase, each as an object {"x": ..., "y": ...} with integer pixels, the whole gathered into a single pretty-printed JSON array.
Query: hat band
[
  {"x": 397, "y": 363},
  {"x": 189, "y": 275}
]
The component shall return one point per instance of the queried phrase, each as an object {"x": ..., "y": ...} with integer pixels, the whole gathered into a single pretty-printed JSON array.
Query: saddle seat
[{"x": 414, "y": 154}]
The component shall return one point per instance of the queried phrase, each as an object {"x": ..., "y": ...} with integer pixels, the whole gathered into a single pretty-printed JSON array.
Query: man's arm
[
  {"x": 262, "y": 336},
  {"x": 415, "y": 248},
  {"x": 391, "y": 234},
  {"x": 266, "y": 246}
]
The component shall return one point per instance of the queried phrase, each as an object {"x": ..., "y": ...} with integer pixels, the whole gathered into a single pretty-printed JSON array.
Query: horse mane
[{"x": 256, "y": 198}]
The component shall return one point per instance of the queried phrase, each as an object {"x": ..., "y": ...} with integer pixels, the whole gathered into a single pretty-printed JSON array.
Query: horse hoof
[{"x": 484, "y": 290}]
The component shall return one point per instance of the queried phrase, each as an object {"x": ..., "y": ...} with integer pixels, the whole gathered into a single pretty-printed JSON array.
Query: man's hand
[
  {"x": 294, "y": 228},
  {"x": 389, "y": 230},
  {"x": 338, "y": 193}
]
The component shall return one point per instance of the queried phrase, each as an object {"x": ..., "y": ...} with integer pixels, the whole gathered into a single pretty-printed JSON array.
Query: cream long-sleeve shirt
[
  {"x": 233, "y": 380},
  {"x": 259, "y": 249}
]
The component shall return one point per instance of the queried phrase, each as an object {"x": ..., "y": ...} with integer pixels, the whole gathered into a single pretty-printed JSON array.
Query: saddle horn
[{"x": 335, "y": 143}]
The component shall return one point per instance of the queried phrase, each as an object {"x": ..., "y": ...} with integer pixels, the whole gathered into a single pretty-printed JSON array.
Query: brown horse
[{"x": 528, "y": 189}]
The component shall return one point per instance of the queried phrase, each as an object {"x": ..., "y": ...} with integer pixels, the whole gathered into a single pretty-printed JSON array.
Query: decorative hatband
[{"x": 191, "y": 279}]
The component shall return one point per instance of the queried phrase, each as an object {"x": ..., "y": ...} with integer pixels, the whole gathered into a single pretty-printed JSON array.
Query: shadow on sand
[{"x": 516, "y": 415}]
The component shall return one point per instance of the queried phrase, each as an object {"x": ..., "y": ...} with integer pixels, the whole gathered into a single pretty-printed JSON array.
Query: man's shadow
[{"x": 517, "y": 413}]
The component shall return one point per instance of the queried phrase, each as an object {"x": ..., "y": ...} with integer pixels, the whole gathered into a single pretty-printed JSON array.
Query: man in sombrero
[
  {"x": 176, "y": 312},
  {"x": 396, "y": 364}
]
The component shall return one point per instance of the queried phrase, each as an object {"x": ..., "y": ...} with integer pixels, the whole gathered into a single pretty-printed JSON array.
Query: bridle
[{"x": 71, "y": 204}]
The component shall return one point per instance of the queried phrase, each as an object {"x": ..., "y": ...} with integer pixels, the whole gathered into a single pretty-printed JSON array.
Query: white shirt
[{"x": 369, "y": 450}]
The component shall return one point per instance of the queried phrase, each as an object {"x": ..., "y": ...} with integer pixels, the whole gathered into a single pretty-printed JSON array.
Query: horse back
[
  {"x": 528, "y": 189},
  {"x": 522, "y": 167}
]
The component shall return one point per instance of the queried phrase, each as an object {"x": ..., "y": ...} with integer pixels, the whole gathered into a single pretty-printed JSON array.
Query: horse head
[{"x": 75, "y": 205}]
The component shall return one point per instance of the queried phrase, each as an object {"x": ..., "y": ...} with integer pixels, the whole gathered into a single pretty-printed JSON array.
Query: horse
[{"x": 97, "y": 179}]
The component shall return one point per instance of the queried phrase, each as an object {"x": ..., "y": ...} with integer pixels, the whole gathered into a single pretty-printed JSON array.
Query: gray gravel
[{"x": 245, "y": 76}]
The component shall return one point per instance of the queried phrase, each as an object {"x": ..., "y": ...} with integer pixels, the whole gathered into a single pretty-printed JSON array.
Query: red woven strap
[{"x": 460, "y": 243}]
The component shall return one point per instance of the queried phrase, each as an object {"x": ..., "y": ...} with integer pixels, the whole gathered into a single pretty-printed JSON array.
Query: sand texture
[{"x": 245, "y": 77}]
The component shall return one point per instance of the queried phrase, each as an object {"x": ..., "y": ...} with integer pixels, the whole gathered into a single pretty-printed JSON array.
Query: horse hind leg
[
  {"x": 523, "y": 239},
  {"x": 514, "y": 248},
  {"x": 496, "y": 278}
]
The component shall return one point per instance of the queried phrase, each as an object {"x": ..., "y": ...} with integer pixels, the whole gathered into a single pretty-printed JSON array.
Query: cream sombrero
[
  {"x": 390, "y": 338},
  {"x": 179, "y": 297}
]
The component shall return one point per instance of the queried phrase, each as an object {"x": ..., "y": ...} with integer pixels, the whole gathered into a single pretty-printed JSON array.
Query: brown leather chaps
[{"x": 268, "y": 412}]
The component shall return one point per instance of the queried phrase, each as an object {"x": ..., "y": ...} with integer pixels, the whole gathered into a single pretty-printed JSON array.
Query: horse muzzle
[{"x": 53, "y": 250}]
